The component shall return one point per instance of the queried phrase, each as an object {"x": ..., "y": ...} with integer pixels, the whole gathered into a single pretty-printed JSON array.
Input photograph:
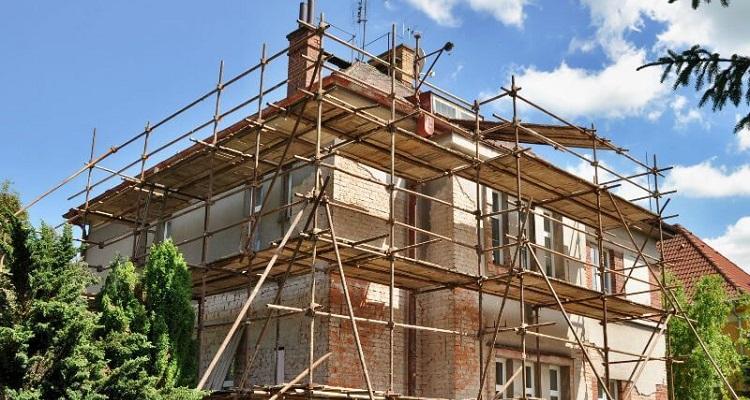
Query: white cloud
[
  {"x": 683, "y": 117},
  {"x": 743, "y": 136},
  {"x": 734, "y": 243},
  {"x": 508, "y": 12},
  {"x": 616, "y": 91},
  {"x": 705, "y": 180},
  {"x": 441, "y": 11},
  {"x": 626, "y": 189},
  {"x": 723, "y": 29}
]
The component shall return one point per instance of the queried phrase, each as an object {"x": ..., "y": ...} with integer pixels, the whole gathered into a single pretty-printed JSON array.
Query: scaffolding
[{"x": 317, "y": 122}]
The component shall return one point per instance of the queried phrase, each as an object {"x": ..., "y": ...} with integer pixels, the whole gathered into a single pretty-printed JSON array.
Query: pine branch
[
  {"x": 726, "y": 80},
  {"x": 696, "y": 3}
]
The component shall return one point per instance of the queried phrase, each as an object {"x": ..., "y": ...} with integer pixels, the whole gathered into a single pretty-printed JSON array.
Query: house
[
  {"x": 690, "y": 259},
  {"x": 439, "y": 234}
]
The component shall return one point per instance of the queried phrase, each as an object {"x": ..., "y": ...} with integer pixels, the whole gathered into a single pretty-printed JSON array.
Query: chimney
[
  {"x": 404, "y": 61},
  {"x": 302, "y": 49}
]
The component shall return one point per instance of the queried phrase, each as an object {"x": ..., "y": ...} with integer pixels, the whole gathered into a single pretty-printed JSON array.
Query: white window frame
[
  {"x": 530, "y": 391},
  {"x": 499, "y": 383},
  {"x": 458, "y": 112},
  {"x": 280, "y": 352},
  {"x": 612, "y": 391},
  {"x": 548, "y": 235},
  {"x": 554, "y": 394},
  {"x": 166, "y": 230}
]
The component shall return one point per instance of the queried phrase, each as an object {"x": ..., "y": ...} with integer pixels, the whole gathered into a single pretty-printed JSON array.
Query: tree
[
  {"x": 722, "y": 79},
  {"x": 136, "y": 362},
  {"x": 47, "y": 348},
  {"x": 695, "y": 377},
  {"x": 124, "y": 334},
  {"x": 167, "y": 292},
  {"x": 133, "y": 342}
]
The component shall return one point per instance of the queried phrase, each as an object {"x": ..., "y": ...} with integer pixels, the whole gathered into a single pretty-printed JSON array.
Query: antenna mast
[{"x": 362, "y": 20}]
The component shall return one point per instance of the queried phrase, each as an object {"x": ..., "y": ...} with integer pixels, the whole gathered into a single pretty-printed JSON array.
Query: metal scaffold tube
[{"x": 314, "y": 128}]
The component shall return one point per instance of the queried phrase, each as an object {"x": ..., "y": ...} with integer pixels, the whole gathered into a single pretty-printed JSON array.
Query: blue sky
[{"x": 73, "y": 66}]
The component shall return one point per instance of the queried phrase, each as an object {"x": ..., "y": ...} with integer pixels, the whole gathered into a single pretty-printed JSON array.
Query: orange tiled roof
[{"x": 690, "y": 258}]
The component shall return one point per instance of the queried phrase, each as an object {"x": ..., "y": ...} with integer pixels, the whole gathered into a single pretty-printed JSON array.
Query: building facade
[{"x": 449, "y": 242}]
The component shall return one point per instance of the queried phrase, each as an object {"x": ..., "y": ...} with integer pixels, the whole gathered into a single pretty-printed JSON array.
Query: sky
[{"x": 70, "y": 67}]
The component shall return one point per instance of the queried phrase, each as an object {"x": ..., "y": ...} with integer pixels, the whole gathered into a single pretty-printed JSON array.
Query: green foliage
[
  {"x": 136, "y": 362},
  {"x": 53, "y": 345},
  {"x": 47, "y": 346},
  {"x": 723, "y": 80},
  {"x": 167, "y": 292},
  {"x": 695, "y": 377}
]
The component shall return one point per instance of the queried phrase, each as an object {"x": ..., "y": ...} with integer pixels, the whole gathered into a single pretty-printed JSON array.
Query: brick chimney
[
  {"x": 302, "y": 49},
  {"x": 404, "y": 61}
]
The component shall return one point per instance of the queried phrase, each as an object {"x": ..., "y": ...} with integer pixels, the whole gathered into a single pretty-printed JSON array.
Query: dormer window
[{"x": 450, "y": 110}]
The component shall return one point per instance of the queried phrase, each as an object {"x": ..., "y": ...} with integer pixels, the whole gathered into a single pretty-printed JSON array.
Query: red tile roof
[{"x": 690, "y": 258}]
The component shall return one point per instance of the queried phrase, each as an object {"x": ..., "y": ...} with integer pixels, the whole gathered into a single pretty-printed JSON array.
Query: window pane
[
  {"x": 553, "y": 379},
  {"x": 529, "y": 377},
  {"x": 499, "y": 373}
]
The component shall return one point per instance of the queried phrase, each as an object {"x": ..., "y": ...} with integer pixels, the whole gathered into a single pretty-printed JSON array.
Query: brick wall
[{"x": 369, "y": 300}]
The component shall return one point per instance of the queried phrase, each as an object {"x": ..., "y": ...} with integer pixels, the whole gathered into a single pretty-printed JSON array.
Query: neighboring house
[
  {"x": 436, "y": 280},
  {"x": 690, "y": 259}
]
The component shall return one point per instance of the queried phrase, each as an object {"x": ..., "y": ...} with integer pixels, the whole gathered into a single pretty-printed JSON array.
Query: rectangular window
[
  {"x": 166, "y": 230},
  {"x": 279, "y": 365},
  {"x": 554, "y": 382},
  {"x": 443, "y": 108},
  {"x": 499, "y": 374},
  {"x": 530, "y": 381},
  {"x": 608, "y": 276},
  {"x": 256, "y": 210},
  {"x": 612, "y": 390},
  {"x": 496, "y": 229},
  {"x": 548, "y": 235}
]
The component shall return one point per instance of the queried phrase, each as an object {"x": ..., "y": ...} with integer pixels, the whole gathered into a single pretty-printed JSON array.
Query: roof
[{"x": 689, "y": 258}]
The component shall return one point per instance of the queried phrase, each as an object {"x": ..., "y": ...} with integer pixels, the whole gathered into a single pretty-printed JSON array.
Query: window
[
  {"x": 612, "y": 390},
  {"x": 608, "y": 276},
  {"x": 256, "y": 210},
  {"x": 499, "y": 375},
  {"x": 450, "y": 110},
  {"x": 496, "y": 229},
  {"x": 530, "y": 384},
  {"x": 549, "y": 240},
  {"x": 166, "y": 230},
  {"x": 554, "y": 382},
  {"x": 279, "y": 365}
]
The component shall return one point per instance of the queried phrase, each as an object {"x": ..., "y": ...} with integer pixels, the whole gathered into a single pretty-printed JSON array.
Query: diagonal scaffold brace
[{"x": 246, "y": 306}]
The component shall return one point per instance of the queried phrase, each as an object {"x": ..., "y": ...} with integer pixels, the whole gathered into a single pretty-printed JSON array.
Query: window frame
[
  {"x": 558, "y": 392},
  {"x": 609, "y": 284},
  {"x": 503, "y": 375},
  {"x": 496, "y": 227},
  {"x": 530, "y": 379},
  {"x": 548, "y": 234},
  {"x": 612, "y": 389}
]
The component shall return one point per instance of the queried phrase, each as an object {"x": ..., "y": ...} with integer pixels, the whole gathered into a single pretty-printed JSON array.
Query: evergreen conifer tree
[{"x": 722, "y": 79}]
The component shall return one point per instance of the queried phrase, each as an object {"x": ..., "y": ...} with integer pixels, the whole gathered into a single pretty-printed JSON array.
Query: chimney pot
[
  {"x": 310, "y": 11},
  {"x": 303, "y": 11}
]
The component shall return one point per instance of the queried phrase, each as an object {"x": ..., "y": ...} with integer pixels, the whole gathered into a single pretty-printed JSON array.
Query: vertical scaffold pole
[
  {"x": 520, "y": 237},
  {"x": 479, "y": 245},
  {"x": 87, "y": 231},
  {"x": 141, "y": 176},
  {"x": 318, "y": 76},
  {"x": 392, "y": 210},
  {"x": 604, "y": 275}
]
